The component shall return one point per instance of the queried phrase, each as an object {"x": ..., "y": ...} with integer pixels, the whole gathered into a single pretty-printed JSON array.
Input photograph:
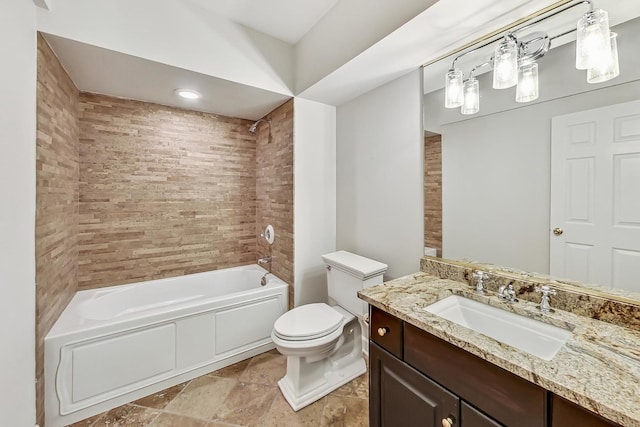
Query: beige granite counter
[{"x": 598, "y": 368}]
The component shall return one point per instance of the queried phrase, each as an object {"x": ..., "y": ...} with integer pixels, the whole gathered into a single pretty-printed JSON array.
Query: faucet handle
[
  {"x": 480, "y": 276},
  {"x": 509, "y": 294},
  {"x": 545, "y": 290},
  {"x": 544, "y": 306}
]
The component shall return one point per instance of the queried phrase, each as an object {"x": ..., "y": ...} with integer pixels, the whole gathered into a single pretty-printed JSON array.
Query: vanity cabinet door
[
  {"x": 400, "y": 396},
  {"x": 504, "y": 396},
  {"x": 565, "y": 413},
  {"x": 471, "y": 417}
]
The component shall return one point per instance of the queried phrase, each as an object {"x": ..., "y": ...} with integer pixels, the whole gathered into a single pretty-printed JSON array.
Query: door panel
[{"x": 595, "y": 197}]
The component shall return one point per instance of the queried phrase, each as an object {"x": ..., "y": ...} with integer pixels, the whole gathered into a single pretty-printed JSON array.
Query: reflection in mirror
[{"x": 507, "y": 173}]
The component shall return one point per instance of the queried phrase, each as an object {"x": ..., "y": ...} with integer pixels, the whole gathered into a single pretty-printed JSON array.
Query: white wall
[
  {"x": 347, "y": 30},
  {"x": 314, "y": 189},
  {"x": 182, "y": 34},
  {"x": 17, "y": 214},
  {"x": 380, "y": 175},
  {"x": 496, "y": 168}
]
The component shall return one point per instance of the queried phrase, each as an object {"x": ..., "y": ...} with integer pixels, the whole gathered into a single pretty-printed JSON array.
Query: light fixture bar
[{"x": 496, "y": 35}]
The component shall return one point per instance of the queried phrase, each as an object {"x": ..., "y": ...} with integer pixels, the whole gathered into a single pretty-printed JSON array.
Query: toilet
[{"x": 323, "y": 343}]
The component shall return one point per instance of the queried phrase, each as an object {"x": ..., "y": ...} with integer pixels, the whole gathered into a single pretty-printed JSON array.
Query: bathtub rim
[{"x": 71, "y": 322}]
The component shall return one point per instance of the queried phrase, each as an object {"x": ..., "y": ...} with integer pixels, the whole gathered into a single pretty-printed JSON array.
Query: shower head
[{"x": 254, "y": 126}]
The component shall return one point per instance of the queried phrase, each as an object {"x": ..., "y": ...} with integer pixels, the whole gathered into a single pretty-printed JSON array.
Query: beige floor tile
[
  {"x": 345, "y": 411},
  {"x": 265, "y": 368},
  {"x": 161, "y": 399},
  {"x": 281, "y": 414},
  {"x": 171, "y": 420},
  {"x": 247, "y": 404},
  {"x": 231, "y": 371},
  {"x": 127, "y": 416},
  {"x": 202, "y": 397},
  {"x": 359, "y": 387},
  {"x": 86, "y": 422}
]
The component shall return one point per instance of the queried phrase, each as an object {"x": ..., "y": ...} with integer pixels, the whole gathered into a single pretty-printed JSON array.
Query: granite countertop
[{"x": 598, "y": 368}]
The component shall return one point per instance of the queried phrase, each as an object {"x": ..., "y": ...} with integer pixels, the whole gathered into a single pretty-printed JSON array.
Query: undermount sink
[{"x": 537, "y": 338}]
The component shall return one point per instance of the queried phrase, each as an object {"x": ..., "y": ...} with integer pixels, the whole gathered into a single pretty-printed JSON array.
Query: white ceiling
[
  {"x": 287, "y": 20},
  {"x": 437, "y": 30},
  {"x": 98, "y": 70}
]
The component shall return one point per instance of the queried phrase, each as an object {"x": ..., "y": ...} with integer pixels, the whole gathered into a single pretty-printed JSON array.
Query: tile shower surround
[
  {"x": 163, "y": 192},
  {"x": 433, "y": 192},
  {"x": 56, "y": 228},
  {"x": 274, "y": 189},
  {"x": 129, "y": 191}
]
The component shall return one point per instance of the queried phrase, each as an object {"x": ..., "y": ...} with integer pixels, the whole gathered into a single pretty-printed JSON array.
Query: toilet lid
[{"x": 307, "y": 322}]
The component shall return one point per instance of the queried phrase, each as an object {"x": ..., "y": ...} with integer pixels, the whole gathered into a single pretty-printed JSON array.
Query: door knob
[{"x": 558, "y": 231}]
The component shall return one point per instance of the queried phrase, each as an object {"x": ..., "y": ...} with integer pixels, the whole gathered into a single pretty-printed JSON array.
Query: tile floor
[{"x": 244, "y": 394}]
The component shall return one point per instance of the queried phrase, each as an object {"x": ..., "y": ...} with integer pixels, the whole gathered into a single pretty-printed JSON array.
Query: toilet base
[{"x": 333, "y": 379}]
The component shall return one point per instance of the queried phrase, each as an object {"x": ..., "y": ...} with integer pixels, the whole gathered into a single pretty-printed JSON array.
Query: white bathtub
[{"x": 114, "y": 345}]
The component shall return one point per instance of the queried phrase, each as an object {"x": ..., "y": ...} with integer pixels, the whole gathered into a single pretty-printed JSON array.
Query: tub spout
[{"x": 264, "y": 260}]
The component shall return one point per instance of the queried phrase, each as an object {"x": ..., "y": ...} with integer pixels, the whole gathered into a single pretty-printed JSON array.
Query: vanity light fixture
[
  {"x": 514, "y": 58},
  {"x": 187, "y": 93},
  {"x": 609, "y": 68},
  {"x": 592, "y": 39},
  {"x": 453, "y": 88},
  {"x": 471, "y": 90},
  {"x": 527, "y": 89},
  {"x": 505, "y": 63}
]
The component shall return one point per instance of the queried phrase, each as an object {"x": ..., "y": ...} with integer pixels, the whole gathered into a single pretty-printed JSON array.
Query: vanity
[{"x": 430, "y": 371}]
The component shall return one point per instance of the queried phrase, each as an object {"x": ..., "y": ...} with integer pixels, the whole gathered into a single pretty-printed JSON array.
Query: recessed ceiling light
[{"x": 188, "y": 93}]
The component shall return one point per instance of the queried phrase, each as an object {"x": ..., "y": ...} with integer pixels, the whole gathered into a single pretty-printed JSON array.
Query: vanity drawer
[
  {"x": 565, "y": 413},
  {"x": 508, "y": 399},
  {"x": 386, "y": 331}
]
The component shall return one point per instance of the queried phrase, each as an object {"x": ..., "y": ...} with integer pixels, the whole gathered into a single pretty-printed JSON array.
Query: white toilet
[{"x": 323, "y": 343}]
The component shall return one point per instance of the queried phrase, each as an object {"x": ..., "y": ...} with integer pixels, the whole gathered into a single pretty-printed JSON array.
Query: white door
[{"x": 595, "y": 196}]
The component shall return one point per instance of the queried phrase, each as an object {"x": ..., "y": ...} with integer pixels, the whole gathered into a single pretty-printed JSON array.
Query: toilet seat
[{"x": 307, "y": 322}]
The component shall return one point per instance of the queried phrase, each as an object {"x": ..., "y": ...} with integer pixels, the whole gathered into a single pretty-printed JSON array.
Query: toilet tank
[{"x": 347, "y": 273}]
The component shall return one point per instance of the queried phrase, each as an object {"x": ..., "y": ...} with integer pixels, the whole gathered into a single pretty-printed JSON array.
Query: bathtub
[{"x": 114, "y": 345}]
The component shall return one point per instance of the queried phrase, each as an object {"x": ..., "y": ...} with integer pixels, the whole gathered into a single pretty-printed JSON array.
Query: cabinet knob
[
  {"x": 383, "y": 331},
  {"x": 448, "y": 422}
]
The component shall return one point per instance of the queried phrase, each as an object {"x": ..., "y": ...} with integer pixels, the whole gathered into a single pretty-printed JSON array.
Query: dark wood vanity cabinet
[
  {"x": 417, "y": 379},
  {"x": 403, "y": 396}
]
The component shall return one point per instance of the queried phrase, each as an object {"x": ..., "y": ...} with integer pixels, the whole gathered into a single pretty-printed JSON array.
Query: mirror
[{"x": 496, "y": 164}]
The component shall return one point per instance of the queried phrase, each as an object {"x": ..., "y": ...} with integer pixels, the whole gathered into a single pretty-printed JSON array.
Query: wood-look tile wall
[
  {"x": 56, "y": 201},
  {"x": 433, "y": 192},
  {"x": 274, "y": 189},
  {"x": 163, "y": 192}
]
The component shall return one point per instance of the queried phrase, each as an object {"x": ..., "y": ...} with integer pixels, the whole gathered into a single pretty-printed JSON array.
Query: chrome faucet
[
  {"x": 507, "y": 293},
  {"x": 544, "y": 306},
  {"x": 265, "y": 260},
  {"x": 480, "y": 276}
]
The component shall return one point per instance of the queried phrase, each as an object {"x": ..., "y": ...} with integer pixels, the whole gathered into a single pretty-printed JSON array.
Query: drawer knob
[
  {"x": 448, "y": 422},
  {"x": 383, "y": 331}
]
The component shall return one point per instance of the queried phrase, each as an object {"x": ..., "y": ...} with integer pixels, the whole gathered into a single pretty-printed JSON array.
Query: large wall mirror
[{"x": 500, "y": 189}]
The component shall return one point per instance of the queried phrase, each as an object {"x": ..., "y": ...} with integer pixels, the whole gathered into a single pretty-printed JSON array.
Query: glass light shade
[
  {"x": 453, "y": 88},
  {"x": 471, "y": 91},
  {"x": 608, "y": 69},
  {"x": 593, "y": 46},
  {"x": 505, "y": 64},
  {"x": 527, "y": 89}
]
